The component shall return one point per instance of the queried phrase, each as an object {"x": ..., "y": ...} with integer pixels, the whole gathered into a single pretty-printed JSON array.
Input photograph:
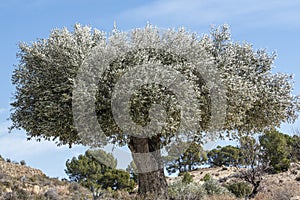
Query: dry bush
[
  {"x": 220, "y": 197},
  {"x": 262, "y": 196},
  {"x": 286, "y": 192}
]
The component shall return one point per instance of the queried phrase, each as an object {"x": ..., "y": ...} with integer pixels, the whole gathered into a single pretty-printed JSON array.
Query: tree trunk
[
  {"x": 147, "y": 157},
  {"x": 254, "y": 190}
]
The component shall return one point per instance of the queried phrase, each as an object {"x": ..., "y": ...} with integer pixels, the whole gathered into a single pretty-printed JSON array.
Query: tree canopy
[
  {"x": 275, "y": 150},
  {"x": 47, "y": 70},
  {"x": 224, "y": 156}
]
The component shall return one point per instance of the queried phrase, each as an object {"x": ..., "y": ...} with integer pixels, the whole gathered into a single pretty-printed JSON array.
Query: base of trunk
[
  {"x": 147, "y": 158},
  {"x": 153, "y": 183}
]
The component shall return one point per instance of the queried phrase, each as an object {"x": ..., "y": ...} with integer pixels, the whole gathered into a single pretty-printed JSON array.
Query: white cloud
[
  {"x": 243, "y": 13},
  {"x": 14, "y": 144},
  {"x": 44, "y": 155}
]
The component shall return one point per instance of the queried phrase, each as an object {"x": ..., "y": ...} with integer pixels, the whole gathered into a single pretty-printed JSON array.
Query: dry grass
[
  {"x": 262, "y": 196},
  {"x": 285, "y": 193},
  {"x": 220, "y": 197}
]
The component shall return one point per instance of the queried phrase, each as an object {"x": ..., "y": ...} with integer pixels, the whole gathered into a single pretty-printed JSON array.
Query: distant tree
[
  {"x": 275, "y": 150},
  {"x": 227, "y": 156},
  {"x": 188, "y": 161},
  {"x": 22, "y": 162},
  {"x": 269, "y": 154},
  {"x": 132, "y": 170},
  {"x": 295, "y": 148},
  {"x": 94, "y": 173},
  {"x": 294, "y": 144}
]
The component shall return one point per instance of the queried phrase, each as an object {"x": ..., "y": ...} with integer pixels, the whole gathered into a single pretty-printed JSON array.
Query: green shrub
[
  {"x": 21, "y": 194},
  {"x": 74, "y": 186},
  {"x": 282, "y": 166},
  {"x": 17, "y": 194},
  {"x": 239, "y": 189},
  {"x": 10, "y": 196},
  {"x": 180, "y": 191},
  {"x": 206, "y": 177},
  {"x": 212, "y": 187},
  {"x": 51, "y": 194},
  {"x": 117, "y": 180},
  {"x": 187, "y": 178},
  {"x": 22, "y": 162}
]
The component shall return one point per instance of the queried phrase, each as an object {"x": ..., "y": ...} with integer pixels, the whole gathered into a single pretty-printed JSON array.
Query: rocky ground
[
  {"x": 283, "y": 186},
  {"x": 21, "y": 182}
]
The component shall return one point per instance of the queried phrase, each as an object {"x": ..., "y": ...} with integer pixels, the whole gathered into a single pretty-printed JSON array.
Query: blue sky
[{"x": 270, "y": 24}]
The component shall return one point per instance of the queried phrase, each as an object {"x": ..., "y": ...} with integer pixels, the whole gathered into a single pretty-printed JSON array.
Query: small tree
[
  {"x": 132, "y": 170},
  {"x": 294, "y": 144},
  {"x": 96, "y": 174},
  {"x": 188, "y": 161},
  {"x": 227, "y": 155},
  {"x": 256, "y": 166},
  {"x": 275, "y": 150}
]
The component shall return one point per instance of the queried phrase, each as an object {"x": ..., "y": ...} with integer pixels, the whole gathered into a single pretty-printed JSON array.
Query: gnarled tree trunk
[{"x": 147, "y": 157}]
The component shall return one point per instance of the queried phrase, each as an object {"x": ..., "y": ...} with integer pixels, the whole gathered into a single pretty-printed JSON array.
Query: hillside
[
  {"x": 283, "y": 186},
  {"x": 22, "y": 182}
]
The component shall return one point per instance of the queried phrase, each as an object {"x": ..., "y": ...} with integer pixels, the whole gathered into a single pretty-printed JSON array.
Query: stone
[{"x": 36, "y": 189}]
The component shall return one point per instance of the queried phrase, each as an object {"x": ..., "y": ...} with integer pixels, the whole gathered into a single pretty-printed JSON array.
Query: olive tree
[{"x": 147, "y": 89}]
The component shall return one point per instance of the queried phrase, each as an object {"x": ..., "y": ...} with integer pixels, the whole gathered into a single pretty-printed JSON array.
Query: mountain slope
[{"x": 22, "y": 182}]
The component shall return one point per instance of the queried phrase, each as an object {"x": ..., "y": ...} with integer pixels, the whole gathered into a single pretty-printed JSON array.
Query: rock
[
  {"x": 36, "y": 189},
  {"x": 7, "y": 190},
  {"x": 295, "y": 198},
  {"x": 51, "y": 194},
  {"x": 62, "y": 189}
]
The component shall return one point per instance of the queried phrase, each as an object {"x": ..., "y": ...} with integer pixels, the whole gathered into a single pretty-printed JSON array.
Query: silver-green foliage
[
  {"x": 255, "y": 97},
  {"x": 182, "y": 191},
  {"x": 212, "y": 187},
  {"x": 44, "y": 81}
]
